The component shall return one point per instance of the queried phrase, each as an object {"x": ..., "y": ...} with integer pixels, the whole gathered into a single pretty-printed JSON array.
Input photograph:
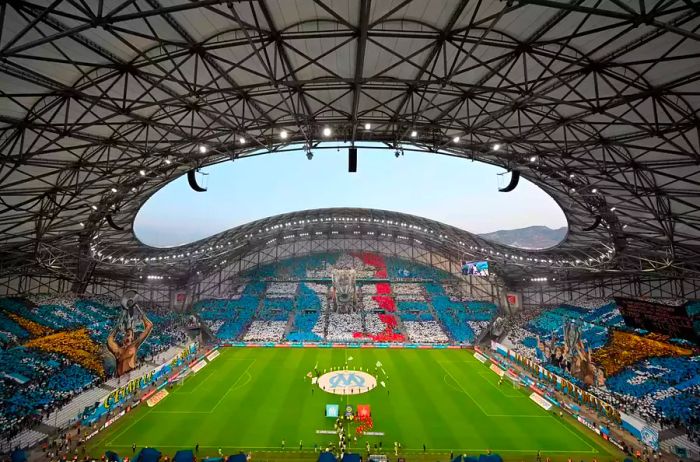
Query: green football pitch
[{"x": 251, "y": 399}]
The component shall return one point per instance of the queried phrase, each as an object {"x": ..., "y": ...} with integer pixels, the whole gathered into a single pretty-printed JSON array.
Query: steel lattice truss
[{"x": 102, "y": 102}]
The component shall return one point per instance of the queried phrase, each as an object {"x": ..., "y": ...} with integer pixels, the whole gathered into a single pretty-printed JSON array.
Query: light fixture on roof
[
  {"x": 594, "y": 190},
  {"x": 142, "y": 172},
  {"x": 284, "y": 134},
  {"x": 496, "y": 147},
  {"x": 114, "y": 190},
  {"x": 571, "y": 175},
  {"x": 455, "y": 139},
  {"x": 133, "y": 189},
  {"x": 612, "y": 209},
  {"x": 202, "y": 149},
  {"x": 368, "y": 126},
  {"x": 82, "y": 225},
  {"x": 414, "y": 133},
  {"x": 327, "y": 131},
  {"x": 94, "y": 207},
  {"x": 533, "y": 158},
  {"x": 168, "y": 161},
  {"x": 241, "y": 140}
]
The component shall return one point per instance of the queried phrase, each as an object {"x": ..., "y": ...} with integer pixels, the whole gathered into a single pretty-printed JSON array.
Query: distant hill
[{"x": 532, "y": 237}]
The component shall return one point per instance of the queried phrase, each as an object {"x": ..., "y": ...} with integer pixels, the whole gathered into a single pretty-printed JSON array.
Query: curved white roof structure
[{"x": 103, "y": 102}]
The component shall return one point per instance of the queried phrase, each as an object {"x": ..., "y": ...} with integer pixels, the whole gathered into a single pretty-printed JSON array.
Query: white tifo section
[
  {"x": 409, "y": 289},
  {"x": 346, "y": 382},
  {"x": 373, "y": 325},
  {"x": 424, "y": 331},
  {"x": 265, "y": 331},
  {"x": 341, "y": 326},
  {"x": 281, "y": 289}
]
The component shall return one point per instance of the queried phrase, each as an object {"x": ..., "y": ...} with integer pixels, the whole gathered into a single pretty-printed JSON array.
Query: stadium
[{"x": 246, "y": 230}]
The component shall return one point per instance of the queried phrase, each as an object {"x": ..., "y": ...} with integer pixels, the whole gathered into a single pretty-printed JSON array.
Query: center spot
[{"x": 346, "y": 382}]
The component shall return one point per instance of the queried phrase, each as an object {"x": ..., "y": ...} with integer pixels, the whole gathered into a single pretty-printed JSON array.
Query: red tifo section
[{"x": 384, "y": 301}]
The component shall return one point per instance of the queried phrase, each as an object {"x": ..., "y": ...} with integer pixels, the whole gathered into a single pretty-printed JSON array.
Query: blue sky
[{"x": 447, "y": 189}]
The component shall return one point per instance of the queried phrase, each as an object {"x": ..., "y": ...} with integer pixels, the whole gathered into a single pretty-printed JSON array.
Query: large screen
[{"x": 475, "y": 268}]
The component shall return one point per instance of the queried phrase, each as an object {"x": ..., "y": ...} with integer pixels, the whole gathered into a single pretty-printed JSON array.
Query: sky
[{"x": 451, "y": 190}]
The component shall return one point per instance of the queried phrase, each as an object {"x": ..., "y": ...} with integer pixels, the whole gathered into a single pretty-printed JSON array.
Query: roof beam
[{"x": 359, "y": 63}]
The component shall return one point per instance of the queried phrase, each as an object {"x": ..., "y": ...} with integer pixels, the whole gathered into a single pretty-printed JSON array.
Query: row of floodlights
[
  {"x": 284, "y": 134},
  {"x": 346, "y": 219}
]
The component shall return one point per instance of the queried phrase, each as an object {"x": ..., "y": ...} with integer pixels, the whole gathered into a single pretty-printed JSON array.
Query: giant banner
[
  {"x": 124, "y": 341},
  {"x": 672, "y": 320}
]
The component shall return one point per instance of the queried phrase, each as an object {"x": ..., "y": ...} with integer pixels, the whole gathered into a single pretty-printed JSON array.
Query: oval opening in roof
[{"x": 447, "y": 189}]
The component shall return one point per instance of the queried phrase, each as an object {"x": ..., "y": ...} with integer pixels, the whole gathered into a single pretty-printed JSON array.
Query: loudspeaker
[{"x": 352, "y": 160}]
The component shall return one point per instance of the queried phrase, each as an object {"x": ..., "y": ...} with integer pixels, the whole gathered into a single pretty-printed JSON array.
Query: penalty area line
[
  {"x": 234, "y": 386},
  {"x": 464, "y": 391}
]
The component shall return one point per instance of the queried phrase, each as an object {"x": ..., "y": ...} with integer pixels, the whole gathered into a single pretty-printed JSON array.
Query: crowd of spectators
[
  {"x": 646, "y": 374},
  {"x": 52, "y": 350},
  {"x": 425, "y": 332},
  {"x": 265, "y": 331},
  {"x": 384, "y": 306},
  {"x": 342, "y": 326}
]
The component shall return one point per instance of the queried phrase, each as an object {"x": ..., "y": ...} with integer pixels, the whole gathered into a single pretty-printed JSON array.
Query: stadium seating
[
  {"x": 280, "y": 292},
  {"x": 308, "y": 306},
  {"x": 227, "y": 318},
  {"x": 663, "y": 390},
  {"x": 384, "y": 305},
  {"x": 265, "y": 331},
  {"x": 342, "y": 327},
  {"x": 463, "y": 321},
  {"x": 10, "y": 332},
  {"x": 397, "y": 268},
  {"x": 41, "y": 377},
  {"x": 425, "y": 332},
  {"x": 34, "y": 383}
]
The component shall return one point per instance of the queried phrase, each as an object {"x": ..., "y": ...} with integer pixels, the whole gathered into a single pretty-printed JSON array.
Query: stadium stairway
[
  {"x": 681, "y": 441},
  {"x": 46, "y": 429},
  {"x": 400, "y": 327},
  {"x": 290, "y": 323},
  {"x": 429, "y": 302},
  {"x": 204, "y": 327},
  {"x": 325, "y": 321}
]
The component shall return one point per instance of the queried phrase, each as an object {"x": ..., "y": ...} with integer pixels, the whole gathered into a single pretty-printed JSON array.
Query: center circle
[{"x": 346, "y": 382}]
